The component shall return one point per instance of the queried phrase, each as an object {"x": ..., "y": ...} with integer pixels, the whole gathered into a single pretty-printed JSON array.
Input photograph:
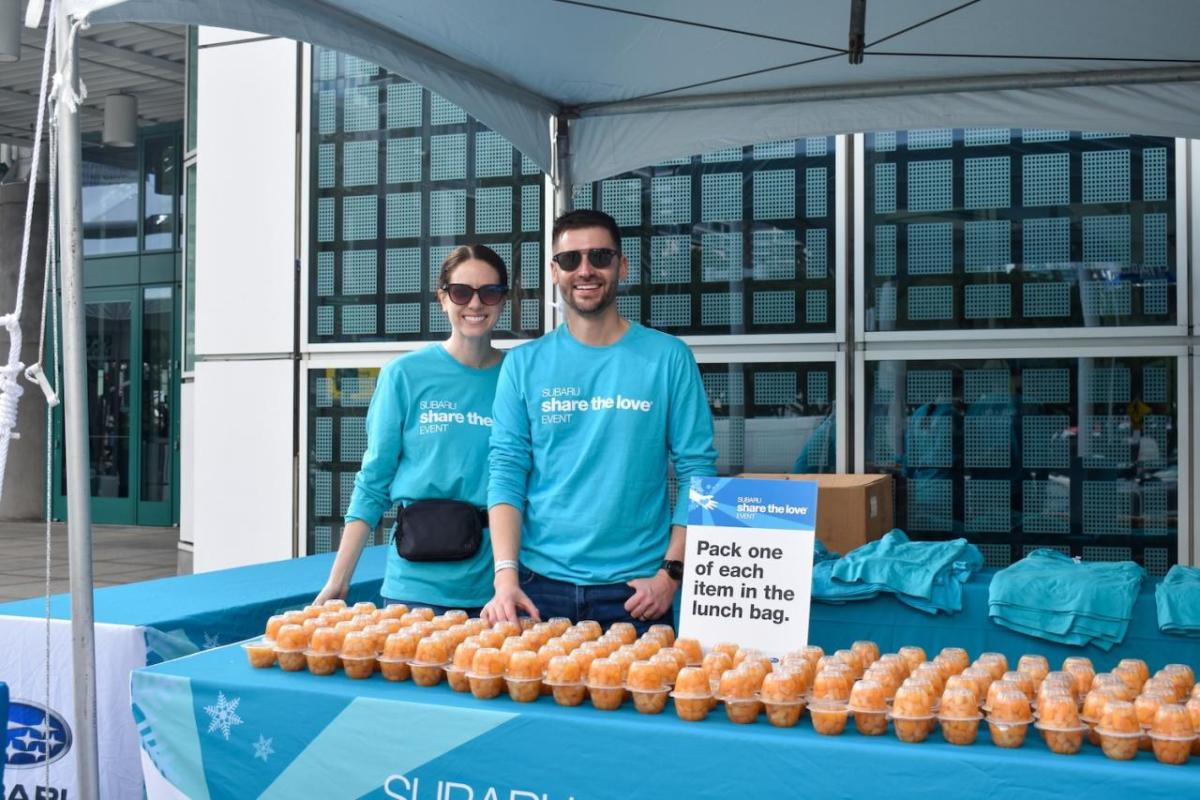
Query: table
[
  {"x": 147, "y": 623},
  {"x": 212, "y": 727},
  {"x": 4, "y": 716},
  {"x": 891, "y": 624}
]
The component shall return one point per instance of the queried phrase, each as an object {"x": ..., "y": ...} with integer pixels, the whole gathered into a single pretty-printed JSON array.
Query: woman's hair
[{"x": 466, "y": 252}]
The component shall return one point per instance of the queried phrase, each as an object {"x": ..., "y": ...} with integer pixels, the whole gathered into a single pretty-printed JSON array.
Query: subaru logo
[{"x": 36, "y": 735}]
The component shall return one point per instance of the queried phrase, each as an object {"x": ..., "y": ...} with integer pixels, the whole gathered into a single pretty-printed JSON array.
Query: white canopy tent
[
  {"x": 631, "y": 83},
  {"x": 647, "y": 80}
]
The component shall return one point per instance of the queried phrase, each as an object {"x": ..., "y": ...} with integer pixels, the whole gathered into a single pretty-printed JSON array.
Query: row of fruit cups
[{"x": 784, "y": 702}]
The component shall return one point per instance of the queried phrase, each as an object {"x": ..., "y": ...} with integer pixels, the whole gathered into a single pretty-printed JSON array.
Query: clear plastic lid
[
  {"x": 1117, "y": 735},
  {"x": 908, "y": 718},
  {"x": 660, "y": 690},
  {"x": 562, "y": 684},
  {"x": 412, "y": 662},
  {"x": 788, "y": 703},
  {"x": 279, "y": 649},
  {"x": 733, "y": 701},
  {"x": 691, "y": 696},
  {"x": 522, "y": 680},
  {"x": 394, "y": 660},
  {"x": 482, "y": 677},
  {"x": 860, "y": 710},
  {"x": 311, "y": 652},
  {"x": 353, "y": 658},
  {"x": 1162, "y": 737},
  {"x": 944, "y": 718},
  {"x": 1009, "y": 723},
  {"x": 1041, "y": 726}
]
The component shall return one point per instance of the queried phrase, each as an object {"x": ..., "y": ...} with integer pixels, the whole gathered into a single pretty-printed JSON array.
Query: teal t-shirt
[
  {"x": 427, "y": 439},
  {"x": 583, "y": 440}
]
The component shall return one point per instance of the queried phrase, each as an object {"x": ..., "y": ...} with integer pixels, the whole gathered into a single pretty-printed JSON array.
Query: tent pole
[
  {"x": 562, "y": 165},
  {"x": 75, "y": 421}
]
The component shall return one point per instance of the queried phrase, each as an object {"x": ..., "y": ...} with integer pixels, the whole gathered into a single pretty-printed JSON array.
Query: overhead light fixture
[
  {"x": 120, "y": 120},
  {"x": 10, "y": 30}
]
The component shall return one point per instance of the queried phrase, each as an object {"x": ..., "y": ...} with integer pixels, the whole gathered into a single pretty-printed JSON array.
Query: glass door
[{"x": 132, "y": 408}]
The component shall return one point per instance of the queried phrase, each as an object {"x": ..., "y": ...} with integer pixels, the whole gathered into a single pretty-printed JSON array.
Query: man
[{"x": 586, "y": 421}]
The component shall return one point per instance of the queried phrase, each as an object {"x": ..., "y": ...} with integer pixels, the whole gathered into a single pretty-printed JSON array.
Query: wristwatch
[{"x": 674, "y": 569}]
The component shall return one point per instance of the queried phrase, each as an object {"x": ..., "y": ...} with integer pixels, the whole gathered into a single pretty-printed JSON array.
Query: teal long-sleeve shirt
[
  {"x": 582, "y": 441},
  {"x": 427, "y": 439}
]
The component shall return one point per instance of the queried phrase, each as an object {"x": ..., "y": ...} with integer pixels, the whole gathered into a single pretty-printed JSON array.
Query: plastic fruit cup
[
  {"x": 427, "y": 673},
  {"x": 484, "y": 686},
  {"x": 691, "y": 707},
  {"x": 1118, "y": 746},
  {"x": 321, "y": 663},
  {"x": 261, "y": 654},
  {"x": 960, "y": 730},
  {"x": 394, "y": 669},
  {"x": 1062, "y": 739},
  {"x": 912, "y": 729},
  {"x": 1172, "y": 749},
  {"x": 829, "y": 719},
  {"x": 691, "y": 649},
  {"x": 649, "y": 701},
  {"x": 606, "y": 698},
  {"x": 567, "y": 694},
  {"x": 290, "y": 660},
  {"x": 359, "y": 667},
  {"x": 524, "y": 690},
  {"x": 784, "y": 713},
  {"x": 1008, "y": 734},
  {"x": 870, "y": 723}
]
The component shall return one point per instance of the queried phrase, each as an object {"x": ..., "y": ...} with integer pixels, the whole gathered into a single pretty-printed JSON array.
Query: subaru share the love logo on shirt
[{"x": 36, "y": 735}]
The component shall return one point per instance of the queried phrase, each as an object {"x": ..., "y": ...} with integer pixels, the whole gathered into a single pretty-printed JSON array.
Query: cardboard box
[{"x": 851, "y": 509}]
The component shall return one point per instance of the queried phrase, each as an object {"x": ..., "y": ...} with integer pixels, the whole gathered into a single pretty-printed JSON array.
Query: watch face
[{"x": 674, "y": 569}]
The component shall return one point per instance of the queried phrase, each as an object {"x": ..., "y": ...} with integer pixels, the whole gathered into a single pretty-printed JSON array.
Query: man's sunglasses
[
  {"x": 569, "y": 260},
  {"x": 489, "y": 294}
]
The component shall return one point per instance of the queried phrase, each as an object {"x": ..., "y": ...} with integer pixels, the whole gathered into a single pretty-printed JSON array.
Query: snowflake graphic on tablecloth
[
  {"x": 263, "y": 749},
  {"x": 223, "y": 715},
  {"x": 211, "y": 641}
]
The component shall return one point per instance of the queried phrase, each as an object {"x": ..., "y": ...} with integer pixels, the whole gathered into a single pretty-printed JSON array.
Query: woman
[{"x": 427, "y": 439}]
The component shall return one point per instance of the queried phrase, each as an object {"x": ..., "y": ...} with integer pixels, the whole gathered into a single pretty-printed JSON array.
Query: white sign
[{"x": 748, "y": 564}]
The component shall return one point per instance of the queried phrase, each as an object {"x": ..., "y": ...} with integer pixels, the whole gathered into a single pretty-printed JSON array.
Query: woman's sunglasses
[
  {"x": 489, "y": 294},
  {"x": 569, "y": 260}
]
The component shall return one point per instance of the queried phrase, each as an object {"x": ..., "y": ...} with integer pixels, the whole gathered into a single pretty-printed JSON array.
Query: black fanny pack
[{"x": 439, "y": 530}]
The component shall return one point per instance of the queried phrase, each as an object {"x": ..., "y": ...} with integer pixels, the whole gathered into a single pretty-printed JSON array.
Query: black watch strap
[{"x": 674, "y": 569}]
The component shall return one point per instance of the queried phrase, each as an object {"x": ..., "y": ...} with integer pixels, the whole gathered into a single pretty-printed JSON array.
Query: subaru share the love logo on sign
[{"x": 36, "y": 735}]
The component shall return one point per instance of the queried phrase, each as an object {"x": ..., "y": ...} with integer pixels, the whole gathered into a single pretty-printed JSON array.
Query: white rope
[{"x": 10, "y": 389}]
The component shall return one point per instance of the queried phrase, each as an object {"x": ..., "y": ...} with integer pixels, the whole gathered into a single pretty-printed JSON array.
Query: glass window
[
  {"x": 400, "y": 177},
  {"x": 161, "y": 186},
  {"x": 337, "y": 438},
  {"x": 158, "y": 320},
  {"x": 1078, "y": 454},
  {"x": 189, "y": 273},
  {"x": 737, "y": 241},
  {"x": 1018, "y": 228},
  {"x": 772, "y": 417},
  {"x": 193, "y": 62},
  {"x": 110, "y": 200}
]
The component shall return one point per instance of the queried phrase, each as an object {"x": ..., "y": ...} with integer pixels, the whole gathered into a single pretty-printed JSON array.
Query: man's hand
[
  {"x": 508, "y": 601},
  {"x": 651, "y": 596}
]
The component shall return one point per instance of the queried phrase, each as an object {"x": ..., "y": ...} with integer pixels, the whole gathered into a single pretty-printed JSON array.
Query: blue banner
[{"x": 753, "y": 503}]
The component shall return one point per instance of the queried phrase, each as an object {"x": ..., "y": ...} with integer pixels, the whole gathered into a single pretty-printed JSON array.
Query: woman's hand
[
  {"x": 332, "y": 591},
  {"x": 509, "y": 600}
]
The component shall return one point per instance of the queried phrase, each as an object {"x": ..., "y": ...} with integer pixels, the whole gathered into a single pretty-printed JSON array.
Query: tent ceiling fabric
[{"x": 670, "y": 64}]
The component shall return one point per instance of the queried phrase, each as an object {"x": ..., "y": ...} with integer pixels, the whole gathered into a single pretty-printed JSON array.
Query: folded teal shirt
[
  {"x": 1052, "y": 596},
  {"x": 925, "y": 575},
  {"x": 1178, "y": 601}
]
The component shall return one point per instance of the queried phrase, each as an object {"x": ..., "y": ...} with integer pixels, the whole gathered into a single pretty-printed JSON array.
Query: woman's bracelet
[{"x": 508, "y": 563}]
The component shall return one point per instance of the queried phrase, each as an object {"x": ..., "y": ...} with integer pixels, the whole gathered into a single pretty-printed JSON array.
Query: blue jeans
[
  {"x": 604, "y": 603},
  {"x": 471, "y": 612}
]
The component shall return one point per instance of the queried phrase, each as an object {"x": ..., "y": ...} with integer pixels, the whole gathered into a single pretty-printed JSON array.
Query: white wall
[
  {"x": 246, "y": 198},
  {"x": 238, "y": 501},
  {"x": 243, "y": 463}
]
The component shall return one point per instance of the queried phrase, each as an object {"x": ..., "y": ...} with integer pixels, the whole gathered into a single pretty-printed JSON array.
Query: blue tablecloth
[
  {"x": 3, "y": 716},
  {"x": 139, "y": 624},
  {"x": 188, "y": 613},
  {"x": 892, "y": 625},
  {"x": 213, "y": 727}
]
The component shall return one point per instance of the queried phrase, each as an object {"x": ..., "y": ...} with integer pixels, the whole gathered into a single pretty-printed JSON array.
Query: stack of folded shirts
[
  {"x": 1052, "y": 596},
  {"x": 1178, "y": 601},
  {"x": 928, "y": 576}
]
